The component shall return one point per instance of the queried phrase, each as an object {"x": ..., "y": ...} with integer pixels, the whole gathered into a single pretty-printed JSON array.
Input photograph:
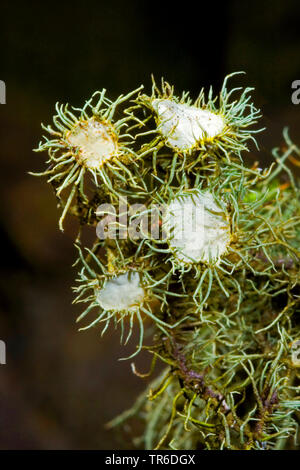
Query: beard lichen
[
  {"x": 88, "y": 141},
  {"x": 213, "y": 279},
  {"x": 216, "y": 125}
]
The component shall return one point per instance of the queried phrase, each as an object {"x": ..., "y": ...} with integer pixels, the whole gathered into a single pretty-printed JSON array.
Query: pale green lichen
[
  {"x": 87, "y": 141},
  {"x": 219, "y": 287}
]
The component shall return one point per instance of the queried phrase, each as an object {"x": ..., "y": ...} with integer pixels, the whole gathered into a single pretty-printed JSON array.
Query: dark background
[{"x": 59, "y": 387}]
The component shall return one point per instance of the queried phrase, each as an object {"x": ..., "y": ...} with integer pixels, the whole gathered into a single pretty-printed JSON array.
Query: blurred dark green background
[{"x": 59, "y": 387}]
